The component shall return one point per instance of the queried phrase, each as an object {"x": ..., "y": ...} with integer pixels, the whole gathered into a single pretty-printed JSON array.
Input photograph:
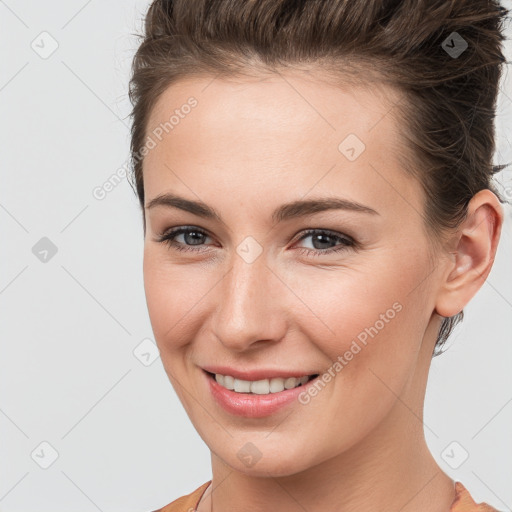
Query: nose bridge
[{"x": 247, "y": 312}]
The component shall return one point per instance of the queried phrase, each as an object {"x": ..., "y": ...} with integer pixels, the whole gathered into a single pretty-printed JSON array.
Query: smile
[{"x": 260, "y": 387}]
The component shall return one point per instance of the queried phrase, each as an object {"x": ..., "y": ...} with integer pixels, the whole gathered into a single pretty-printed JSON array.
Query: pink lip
[
  {"x": 252, "y": 405},
  {"x": 257, "y": 374}
]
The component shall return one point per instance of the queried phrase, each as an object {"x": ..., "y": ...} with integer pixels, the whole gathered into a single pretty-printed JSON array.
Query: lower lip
[{"x": 252, "y": 405}]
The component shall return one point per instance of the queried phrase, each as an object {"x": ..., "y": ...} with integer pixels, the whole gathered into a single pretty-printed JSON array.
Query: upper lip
[{"x": 257, "y": 374}]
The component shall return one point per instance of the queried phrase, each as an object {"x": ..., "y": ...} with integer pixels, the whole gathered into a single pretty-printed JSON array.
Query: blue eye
[{"x": 195, "y": 237}]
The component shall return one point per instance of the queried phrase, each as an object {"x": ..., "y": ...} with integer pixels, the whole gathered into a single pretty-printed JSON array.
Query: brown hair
[{"x": 445, "y": 55}]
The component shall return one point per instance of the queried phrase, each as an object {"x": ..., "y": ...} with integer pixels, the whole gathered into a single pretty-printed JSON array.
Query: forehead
[
  {"x": 295, "y": 100},
  {"x": 289, "y": 128}
]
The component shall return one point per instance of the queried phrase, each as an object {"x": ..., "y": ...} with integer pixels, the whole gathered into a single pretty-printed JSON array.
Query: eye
[
  {"x": 320, "y": 237},
  {"x": 193, "y": 236}
]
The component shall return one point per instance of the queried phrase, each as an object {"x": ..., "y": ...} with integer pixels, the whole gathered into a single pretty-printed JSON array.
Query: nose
[{"x": 251, "y": 308}]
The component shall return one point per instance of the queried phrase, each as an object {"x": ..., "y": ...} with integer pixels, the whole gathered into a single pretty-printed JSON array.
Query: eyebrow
[{"x": 287, "y": 211}]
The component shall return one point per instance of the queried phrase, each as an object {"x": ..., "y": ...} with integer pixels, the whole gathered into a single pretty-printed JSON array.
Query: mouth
[{"x": 260, "y": 387}]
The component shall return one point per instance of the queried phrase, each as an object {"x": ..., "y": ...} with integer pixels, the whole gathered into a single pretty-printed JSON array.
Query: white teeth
[
  {"x": 242, "y": 386},
  {"x": 229, "y": 382},
  {"x": 259, "y": 387},
  {"x": 290, "y": 382},
  {"x": 276, "y": 385}
]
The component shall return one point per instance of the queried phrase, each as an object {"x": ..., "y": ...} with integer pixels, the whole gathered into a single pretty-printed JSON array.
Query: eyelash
[{"x": 348, "y": 242}]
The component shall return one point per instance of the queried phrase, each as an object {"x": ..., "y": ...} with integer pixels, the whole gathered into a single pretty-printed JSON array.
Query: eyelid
[
  {"x": 178, "y": 230},
  {"x": 164, "y": 236},
  {"x": 347, "y": 241},
  {"x": 329, "y": 232}
]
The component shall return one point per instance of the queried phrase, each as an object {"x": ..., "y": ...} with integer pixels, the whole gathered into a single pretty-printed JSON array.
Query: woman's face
[{"x": 253, "y": 289}]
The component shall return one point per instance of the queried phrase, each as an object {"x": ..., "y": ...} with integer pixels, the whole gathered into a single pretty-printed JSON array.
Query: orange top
[{"x": 463, "y": 501}]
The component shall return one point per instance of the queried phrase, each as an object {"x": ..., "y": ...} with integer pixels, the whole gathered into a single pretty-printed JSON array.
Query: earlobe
[{"x": 476, "y": 242}]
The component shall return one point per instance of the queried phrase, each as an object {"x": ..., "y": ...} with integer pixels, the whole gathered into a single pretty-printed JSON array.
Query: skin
[{"x": 250, "y": 145}]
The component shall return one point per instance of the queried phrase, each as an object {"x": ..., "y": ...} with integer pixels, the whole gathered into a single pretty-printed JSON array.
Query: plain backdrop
[{"x": 88, "y": 418}]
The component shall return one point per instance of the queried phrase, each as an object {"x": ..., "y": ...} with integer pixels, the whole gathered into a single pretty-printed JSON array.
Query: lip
[
  {"x": 258, "y": 374},
  {"x": 251, "y": 405}
]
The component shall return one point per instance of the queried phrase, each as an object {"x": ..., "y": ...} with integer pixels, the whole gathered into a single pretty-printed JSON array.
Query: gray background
[{"x": 75, "y": 370}]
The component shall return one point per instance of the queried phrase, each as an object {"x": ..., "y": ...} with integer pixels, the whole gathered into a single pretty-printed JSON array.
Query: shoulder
[
  {"x": 464, "y": 502},
  {"x": 185, "y": 503}
]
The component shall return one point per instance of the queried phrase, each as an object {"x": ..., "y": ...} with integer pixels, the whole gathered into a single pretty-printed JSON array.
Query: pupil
[
  {"x": 188, "y": 239},
  {"x": 317, "y": 238}
]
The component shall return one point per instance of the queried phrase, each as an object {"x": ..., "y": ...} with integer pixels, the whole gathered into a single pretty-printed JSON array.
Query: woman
[{"x": 315, "y": 183}]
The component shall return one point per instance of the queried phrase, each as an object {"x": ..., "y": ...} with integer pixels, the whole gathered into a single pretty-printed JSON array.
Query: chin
[{"x": 260, "y": 459}]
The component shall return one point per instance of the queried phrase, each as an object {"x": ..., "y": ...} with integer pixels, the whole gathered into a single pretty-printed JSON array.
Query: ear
[{"x": 473, "y": 251}]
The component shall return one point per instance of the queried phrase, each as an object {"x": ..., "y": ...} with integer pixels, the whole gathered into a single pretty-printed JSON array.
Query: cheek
[
  {"x": 377, "y": 325},
  {"x": 171, "y": 296},
  {"x": 373, "y": 316}
]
